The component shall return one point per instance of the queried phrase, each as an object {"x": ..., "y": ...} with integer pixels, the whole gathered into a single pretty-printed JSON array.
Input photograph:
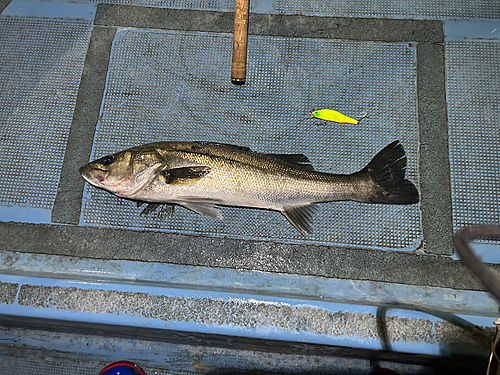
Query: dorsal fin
[
  {"x": 299, "y": 160},
  {"x": 201, "y": 144}
]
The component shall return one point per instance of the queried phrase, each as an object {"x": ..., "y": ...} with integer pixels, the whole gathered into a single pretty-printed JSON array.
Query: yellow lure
[{"x": 331, "y": 115}]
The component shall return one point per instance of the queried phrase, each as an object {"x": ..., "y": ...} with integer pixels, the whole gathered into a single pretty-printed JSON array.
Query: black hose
[{"x": 461, "y": 241}]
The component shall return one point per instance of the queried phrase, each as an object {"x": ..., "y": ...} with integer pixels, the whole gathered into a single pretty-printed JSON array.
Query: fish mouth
[
  {"x": 93, "y": 176},
  {"x": 82, "y": 171}
]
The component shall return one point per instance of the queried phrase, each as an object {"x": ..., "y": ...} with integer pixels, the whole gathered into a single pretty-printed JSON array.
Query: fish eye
[{"x": 107, "y": 160}]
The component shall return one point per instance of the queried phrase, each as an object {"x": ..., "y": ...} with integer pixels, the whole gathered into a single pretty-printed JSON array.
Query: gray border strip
[
  {"x": 366, "y": 29},
  {"x": 68, "y": 200},
  {"x": 119, "y": 244},
  {"x": 3, "y": 4},
  {"x": 434, "y": 155}
]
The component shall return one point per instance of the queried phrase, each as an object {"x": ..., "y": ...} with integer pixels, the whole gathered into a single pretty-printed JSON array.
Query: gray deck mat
[
  {"x": 175, "y": 86},
  {"x": 37, "y": 100},
  {"x": 474, "y": 126}
]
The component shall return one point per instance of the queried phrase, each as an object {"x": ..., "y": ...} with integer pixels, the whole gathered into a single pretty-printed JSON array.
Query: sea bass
[{"x": 200, "y": 176}]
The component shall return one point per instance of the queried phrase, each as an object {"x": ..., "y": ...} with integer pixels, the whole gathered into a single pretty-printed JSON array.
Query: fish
[{"x": 201, "y": 176}]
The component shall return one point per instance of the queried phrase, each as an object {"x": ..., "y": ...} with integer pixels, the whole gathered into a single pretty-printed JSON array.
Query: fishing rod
[{"x": 240, "y": 43}]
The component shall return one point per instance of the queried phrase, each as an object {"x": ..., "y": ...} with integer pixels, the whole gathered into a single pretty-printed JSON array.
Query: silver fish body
[{"x": 202, "y": 175}]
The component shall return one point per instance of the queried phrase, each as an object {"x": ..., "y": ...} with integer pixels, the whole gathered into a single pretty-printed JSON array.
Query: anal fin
[
  {"x": 301, "y": 217},
  {"x": 202, "y": 208}
]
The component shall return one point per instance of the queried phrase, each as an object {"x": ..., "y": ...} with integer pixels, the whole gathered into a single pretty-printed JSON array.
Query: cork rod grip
[{"x": 239, "y": 65}]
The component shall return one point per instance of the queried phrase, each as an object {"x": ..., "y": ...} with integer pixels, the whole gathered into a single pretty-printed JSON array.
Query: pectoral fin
[
  {"x": 301, "y": 217},
  {"x": 185, "y": 175}
]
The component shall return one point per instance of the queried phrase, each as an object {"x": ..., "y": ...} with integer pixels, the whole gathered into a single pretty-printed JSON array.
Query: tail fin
[{"x": 387, "y": 171}]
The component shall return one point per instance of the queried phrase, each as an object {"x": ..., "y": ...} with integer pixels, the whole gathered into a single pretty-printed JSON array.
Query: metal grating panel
[
  {"x": 176, "y": 86},
  {"x": 40, "y": 70},
  {"x": 46, "y": 365},
  {"x": 426, "y": 9},
  {"x": 474, "y": 128},
  {"x": 213, "y": 5}
]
